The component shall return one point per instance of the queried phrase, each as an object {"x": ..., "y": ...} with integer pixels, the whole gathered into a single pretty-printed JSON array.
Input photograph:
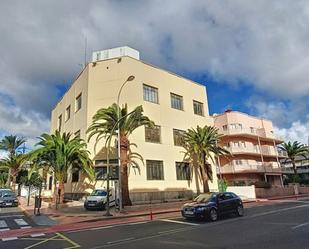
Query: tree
[
  {"x": 201, "y": 144},
  {"x": 104, "y": 126},
  {"x": 60, "y": 153},
  {"x": 13, "y": 164},
  {"x": 294, "y": 150},
  {"x": 12, "y": 145}
]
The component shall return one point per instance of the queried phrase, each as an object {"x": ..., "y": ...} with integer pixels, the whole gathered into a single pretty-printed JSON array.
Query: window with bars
[
  {"x": 178, "y": 137},
  {"x": 78, "y": 102},
  {"x": 68, "y": 113},
  {"x": 154, "y": 170},
  {"x": 198, "y": 108},
  {"x": 153, "y": 135},
  {"x": 183, "y": 171},
  {"x": 176, "y": 101},
  {"x": 60, "y": 123},
  {"x": 101, "y": 172},
  {"x": 151, "y": 94},
  {"x": 75, "y": 175}
]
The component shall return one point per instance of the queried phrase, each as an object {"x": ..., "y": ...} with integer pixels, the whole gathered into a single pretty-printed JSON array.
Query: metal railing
[
  {"x": 266, "y": 150},
  {"x": 247, "y": 168}
]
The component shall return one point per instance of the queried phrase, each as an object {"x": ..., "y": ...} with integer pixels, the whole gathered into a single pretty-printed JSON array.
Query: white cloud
[
  {"x": 296, "y": 132},
  {"x": 263, "y": 43}
]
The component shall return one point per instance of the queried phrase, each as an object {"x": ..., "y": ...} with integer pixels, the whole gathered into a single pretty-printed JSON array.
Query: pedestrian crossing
[{"x": 11, "y": 222}]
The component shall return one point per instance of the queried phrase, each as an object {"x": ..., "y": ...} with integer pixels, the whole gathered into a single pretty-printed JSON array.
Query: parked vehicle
[
  {"x": 8, "y": 198},
  {"x": 213, "y": 205},
  {"x": 98, "y": 199}
]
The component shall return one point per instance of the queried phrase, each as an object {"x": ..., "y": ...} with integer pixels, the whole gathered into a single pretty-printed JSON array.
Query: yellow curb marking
[{"x": 58, "y": 237}]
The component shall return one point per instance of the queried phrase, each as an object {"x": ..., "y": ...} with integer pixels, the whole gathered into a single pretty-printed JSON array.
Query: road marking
[
  {"x": 21, "y": 222},
  {"x": 9, "y": 238},
  {"x": 41, "y": 242},
  {"x": 172, "y": 231},
  {"x": 3, "y": 224},
  {"x": 180, "y": 222},
  {"x": 137, "y": 223},
  {"x": 276, "y": 211},
  {"x": 73, "y": 243},
  {"x": 26, "y": 227},
  {"x": 37, "y": 235},
  {"x": 119, "y": 241},
  {"x": 301, "y": 225},
  {"x": 13, "y": 215}
]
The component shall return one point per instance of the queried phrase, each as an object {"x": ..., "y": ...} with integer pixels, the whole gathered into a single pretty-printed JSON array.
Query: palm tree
[
  {"x": 12, "y": 145},
  {"x": 294, "y": 150},
  {"x": 60, "y": 154},
  {"x": 13, "y": 164},
  {"x": 104, "y": 126},
  {"x": 201, "y": 144}
]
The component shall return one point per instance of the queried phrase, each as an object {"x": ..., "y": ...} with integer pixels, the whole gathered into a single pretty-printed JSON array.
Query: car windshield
[
  {"x": 205, "y": 197},
  {"x": 99, "y": 193},
  {"x": 8, "y": 194}
]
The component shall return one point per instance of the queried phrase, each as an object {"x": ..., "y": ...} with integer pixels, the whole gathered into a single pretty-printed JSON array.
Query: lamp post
[{"x": 130, "y": 78}]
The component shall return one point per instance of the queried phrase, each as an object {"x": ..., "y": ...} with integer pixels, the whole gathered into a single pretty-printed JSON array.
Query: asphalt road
[{"x": 282, "y": 226}]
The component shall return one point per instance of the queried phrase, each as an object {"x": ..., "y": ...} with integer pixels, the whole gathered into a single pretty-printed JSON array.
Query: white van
[{"x": 98, "y": 199}]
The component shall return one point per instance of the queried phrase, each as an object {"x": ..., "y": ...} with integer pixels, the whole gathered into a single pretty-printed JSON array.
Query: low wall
[
  {"x": 244, "y": 192},
  {"x": 273, "y": 192},
  {"x": 160, "y": 196}
]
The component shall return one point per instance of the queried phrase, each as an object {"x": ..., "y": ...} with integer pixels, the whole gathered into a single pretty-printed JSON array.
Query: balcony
[
  {"x": 259, "y": 168},
  {"x": 262, "y": 133},
  {"x": 250, "y": 149},
  {"x": 300, "y": 170}
]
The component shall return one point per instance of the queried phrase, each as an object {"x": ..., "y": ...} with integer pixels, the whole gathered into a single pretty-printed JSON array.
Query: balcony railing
[
  {"x": 289, "y": 170},
  {"x": 260, "y": 168},
  {"x": 266, "y": 150},
  {"x": 256, "y": 132}
]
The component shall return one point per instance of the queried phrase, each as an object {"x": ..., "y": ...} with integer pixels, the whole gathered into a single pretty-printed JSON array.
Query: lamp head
[{"x": 131, "y": 77}]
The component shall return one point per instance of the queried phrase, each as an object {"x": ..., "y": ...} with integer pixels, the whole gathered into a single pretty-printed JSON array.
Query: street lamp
[{"x": 130, "y": 78}]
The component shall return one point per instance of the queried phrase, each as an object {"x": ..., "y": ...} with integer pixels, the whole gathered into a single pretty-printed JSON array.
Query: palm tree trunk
[
  {"x": 126, "y": 201},
  {"x": 8, "y": 181},
  {"x": 197, "y": 177},
  {"x": 61, "y": 188},
  {"x": 205, "y": 180},
  {"x": 294, "y": 168},
  {"x": 14, "y": 182}
]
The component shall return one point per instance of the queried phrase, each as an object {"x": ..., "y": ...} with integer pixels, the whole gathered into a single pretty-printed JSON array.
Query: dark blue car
[{"x": 212, "y": 205}]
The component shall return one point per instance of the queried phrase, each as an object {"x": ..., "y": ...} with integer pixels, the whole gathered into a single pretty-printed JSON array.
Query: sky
[{"x": 251, "y": 55}]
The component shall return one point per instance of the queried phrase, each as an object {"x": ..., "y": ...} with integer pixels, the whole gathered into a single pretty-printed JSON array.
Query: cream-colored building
[
  {"x": 174, "y": 103},
  {"x": 253, "y": 145}
]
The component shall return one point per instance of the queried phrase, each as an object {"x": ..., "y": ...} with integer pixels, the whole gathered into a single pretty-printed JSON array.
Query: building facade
[
  {"x": 171, "y": 101},
  {"x": 253, "y": 147},
  {"x": 302, "y": 166}
]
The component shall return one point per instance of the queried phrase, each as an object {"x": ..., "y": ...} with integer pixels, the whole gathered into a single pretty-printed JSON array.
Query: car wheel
[
  {"x": 240, "y": 210},
  {"x": 213, "y": 214}
]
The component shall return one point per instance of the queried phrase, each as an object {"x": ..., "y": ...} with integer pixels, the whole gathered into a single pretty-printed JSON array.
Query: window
[
  {"x": 183, "y": 171},
  {"x": 154, "y": 170},
  {"x": 151, "y": 94},
  {"x": 77, "y": 134},
  {"x": 236, "y": 126},
  {"x": 238, "y": 162},
  {"x": 176, "y": 101},
  {"x": 224, "y": 127},
  {"x": 78, "y": 102},
  {"x": 50, "y": 183},
  {"x": 59, "y": 123},
  {"x": 252, "y": 130},
  {"x": 198, "y": 108},
  {"x": 178, "y": 137},
  {"x": 68, "y": 113},
  {"x": 101, "y": 169},
  {"x": 75, "y": 175},
  {"x": 153, "y": 135}
]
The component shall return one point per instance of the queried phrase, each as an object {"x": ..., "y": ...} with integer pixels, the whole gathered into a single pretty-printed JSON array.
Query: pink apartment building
[{"x": 255, "y": 157}]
